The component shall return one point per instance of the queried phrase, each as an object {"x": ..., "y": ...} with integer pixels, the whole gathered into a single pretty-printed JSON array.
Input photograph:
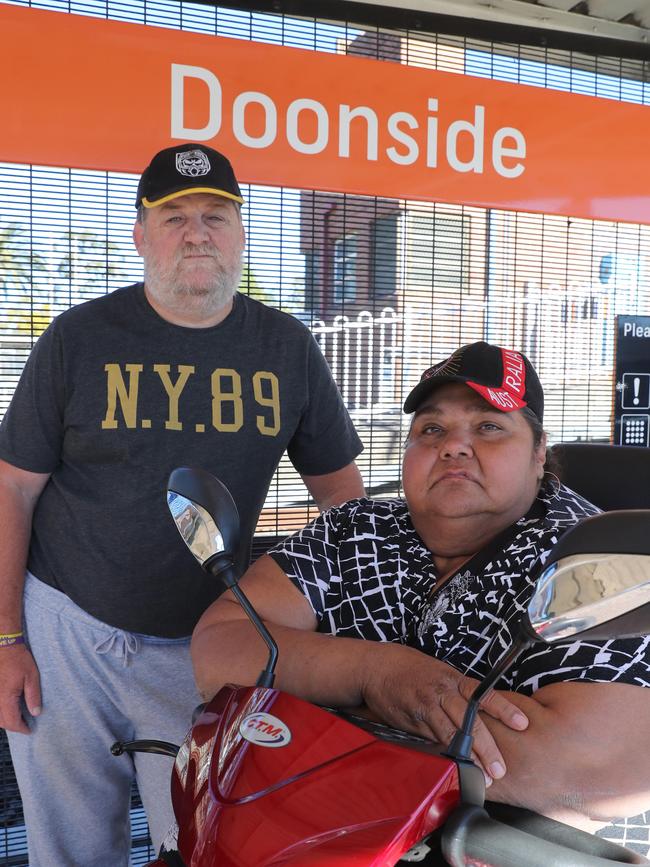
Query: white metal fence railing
[
  {"x": 362, "y": 352},
  {"x": 568, "y": 335}
]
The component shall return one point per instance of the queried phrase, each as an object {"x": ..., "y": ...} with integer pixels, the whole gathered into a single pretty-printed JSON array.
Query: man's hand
[
  {"x": 18, "y": 677},
  {"x": 412, "y": 691}
]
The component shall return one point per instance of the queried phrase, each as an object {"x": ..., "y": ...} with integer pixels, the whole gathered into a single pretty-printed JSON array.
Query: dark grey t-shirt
[{"x": 114, "y": 397}]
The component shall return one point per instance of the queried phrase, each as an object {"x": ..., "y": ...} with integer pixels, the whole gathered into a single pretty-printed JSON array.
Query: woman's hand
[{"x": 409, "y": 690}]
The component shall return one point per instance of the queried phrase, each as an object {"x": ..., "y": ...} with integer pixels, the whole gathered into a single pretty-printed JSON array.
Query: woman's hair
[
  {"x": 534, "y": 424},
  {"x": 552, "y": 465}
]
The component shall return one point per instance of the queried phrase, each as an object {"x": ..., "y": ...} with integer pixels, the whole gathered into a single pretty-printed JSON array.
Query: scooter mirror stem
[
  {"x": 206, "y": 516},
  {"x": 267, "y": 675},
  {"x": 223, "y": 568},
  {"x": 460, "y": 747}
]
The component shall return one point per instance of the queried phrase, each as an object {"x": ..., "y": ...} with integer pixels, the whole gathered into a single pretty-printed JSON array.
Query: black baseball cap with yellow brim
[{"x": 186, "y": 169}]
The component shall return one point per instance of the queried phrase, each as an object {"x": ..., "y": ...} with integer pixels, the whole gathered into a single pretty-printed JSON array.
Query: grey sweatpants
[{"x": 99, "y": 684}]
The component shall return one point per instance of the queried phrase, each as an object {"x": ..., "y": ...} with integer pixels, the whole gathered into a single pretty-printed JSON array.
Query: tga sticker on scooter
[{"x": 265, "y": 730}]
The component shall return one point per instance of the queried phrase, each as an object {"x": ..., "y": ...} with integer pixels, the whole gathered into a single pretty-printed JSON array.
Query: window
[
  {"x": 437, "y": 248},
  {"x": 384, "y": 257},
  {"x": 345, "y": 269}
]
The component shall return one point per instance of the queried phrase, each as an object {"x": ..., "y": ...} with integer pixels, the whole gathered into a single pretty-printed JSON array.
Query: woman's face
[{"x": 465, "y": 459}]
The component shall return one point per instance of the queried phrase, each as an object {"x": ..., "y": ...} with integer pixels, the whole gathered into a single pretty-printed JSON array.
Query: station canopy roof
[{"x": 625, "y": 20}]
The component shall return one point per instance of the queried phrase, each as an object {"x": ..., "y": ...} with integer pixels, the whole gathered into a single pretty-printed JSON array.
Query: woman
[{"x": 435, "y": 584}]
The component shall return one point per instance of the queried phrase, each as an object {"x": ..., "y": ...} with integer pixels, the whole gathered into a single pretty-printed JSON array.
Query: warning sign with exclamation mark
[
  {"x": 636, "y": 391},
  {"x": 632, "y": 391}
]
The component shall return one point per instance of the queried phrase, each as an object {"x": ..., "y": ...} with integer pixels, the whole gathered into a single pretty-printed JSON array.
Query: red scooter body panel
[
  {"x": 314, "y": 737},
  {"x": 290, "y": 783}
]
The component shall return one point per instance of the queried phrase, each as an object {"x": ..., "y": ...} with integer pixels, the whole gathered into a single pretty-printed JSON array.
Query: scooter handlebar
[{"x": 472, "y": 836}]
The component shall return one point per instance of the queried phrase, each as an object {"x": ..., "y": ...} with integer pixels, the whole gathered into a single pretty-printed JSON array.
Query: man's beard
[{"x": 203, "y": 292}]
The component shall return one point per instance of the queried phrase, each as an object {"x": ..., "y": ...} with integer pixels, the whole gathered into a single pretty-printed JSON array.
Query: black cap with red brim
[{"x": 503, "y": 377}]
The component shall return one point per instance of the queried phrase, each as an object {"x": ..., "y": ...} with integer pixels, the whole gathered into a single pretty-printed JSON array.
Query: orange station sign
[{"x": 96, "y": 94}]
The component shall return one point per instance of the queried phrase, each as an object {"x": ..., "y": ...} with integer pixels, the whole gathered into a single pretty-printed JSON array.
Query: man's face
[
  {"x": 192, "y": 250},
  {"x": 464, "y": 458}
]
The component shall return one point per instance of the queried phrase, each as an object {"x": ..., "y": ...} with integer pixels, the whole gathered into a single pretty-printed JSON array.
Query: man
[
  {"x": 117, "y": 392},
  {"x": 436, "y": 585}
]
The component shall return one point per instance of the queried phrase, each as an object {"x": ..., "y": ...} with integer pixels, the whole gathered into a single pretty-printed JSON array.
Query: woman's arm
[
  {"x": 226, "y": 647},
  {"x": 400, "y": 685},
  {"x": 585, "y": 756}
]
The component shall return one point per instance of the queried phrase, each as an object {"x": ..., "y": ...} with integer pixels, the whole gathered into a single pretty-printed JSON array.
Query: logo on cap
[
  {"x": 192, "y": 164},
  {"x": 448, "y": 367}
]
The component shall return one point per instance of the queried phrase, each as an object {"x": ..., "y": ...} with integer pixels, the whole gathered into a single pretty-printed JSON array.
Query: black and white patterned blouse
[{"x": 367, "y": 574}]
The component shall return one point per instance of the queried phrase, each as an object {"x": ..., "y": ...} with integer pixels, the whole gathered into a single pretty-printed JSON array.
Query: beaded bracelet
[{"x": 12, "y": 638}]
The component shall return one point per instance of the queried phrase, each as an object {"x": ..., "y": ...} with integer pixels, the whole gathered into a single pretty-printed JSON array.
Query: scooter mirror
[
  {"x": 207, "y": 518},
  {"x": 596, "y": 583},
  {"x": 204, "y": 512},
  {"x": 198, "y": 530}
]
